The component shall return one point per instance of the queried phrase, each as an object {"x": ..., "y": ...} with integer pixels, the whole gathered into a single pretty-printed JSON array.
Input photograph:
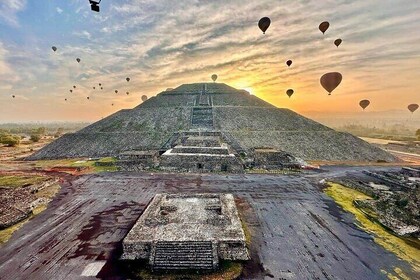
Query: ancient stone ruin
[
  {"x": 210, "y": 127},
  {"x": 187, "y": 231}
]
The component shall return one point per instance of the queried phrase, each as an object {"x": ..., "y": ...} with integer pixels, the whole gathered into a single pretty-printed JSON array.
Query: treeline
[
  {"x": 394, "y": 132},
  {"x": 12, "y": 134}
]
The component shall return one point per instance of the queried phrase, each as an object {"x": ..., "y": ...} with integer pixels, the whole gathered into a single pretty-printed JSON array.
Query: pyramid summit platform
[{"x": 212, "y": 120}]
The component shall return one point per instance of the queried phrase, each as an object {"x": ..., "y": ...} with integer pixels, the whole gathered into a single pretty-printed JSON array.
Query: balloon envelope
[
  {"x": 100, "y": 84},
  {"x": 74, "y": 86},
  {"x": 144, "y": 98},
  {"x": 337, "y": 42},
  {"x": 127, "y": 93},
  {"x": 128, "y": 79},
  {"x": 78, "y": 60},
  {"x": 413, "y": 107},
  {"x": 116, "y": 91},
  {"x": 324, "y": 26},
  {"x": 289, "y": 62},
  {"x": 13, "y": 96},
  {"x": 290, "y": 92},
  {"x": 364, "y": 103},
  {"x": 94, "y": 87},
  {"x": 214, "y": 77},
  {"x": 87, "y": 97},
  {"x": 54, "y": 48},
  {"x": 264, "y": 23},
  {"x": 330, "y": 81},
  {"x": 71, "y": 90}
]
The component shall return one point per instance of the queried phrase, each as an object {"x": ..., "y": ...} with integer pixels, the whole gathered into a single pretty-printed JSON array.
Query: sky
[{"x": 163, "y": 44}]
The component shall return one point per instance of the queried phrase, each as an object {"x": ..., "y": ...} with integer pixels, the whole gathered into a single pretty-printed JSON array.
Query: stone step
[{"x": 183, "y": 255}]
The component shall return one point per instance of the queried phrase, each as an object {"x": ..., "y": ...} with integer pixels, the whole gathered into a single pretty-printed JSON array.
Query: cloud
[
  {"x": 59, "y": 10},
  {"x": 9, "y": 10}
]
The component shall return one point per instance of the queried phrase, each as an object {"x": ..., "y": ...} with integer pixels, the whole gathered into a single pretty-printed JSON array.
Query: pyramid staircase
[{"x": 172, "y": 255}]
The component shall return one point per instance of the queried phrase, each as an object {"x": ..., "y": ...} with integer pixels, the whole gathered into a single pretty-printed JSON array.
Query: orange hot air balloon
[
  {"x": 290, "y": 92},
  {"x": 337, "y": 42},
  {"x": 214, "y": 77},
  {"x": 330, "y": 81},
  {"x": 144, "y": 98},
  {"x": 289, "y": 62},
  {"x": 264, "y": 23},
  {"x": 413, "y": 107},
  {"x": 324, "y": 26},
  {"x": 364, "y": 103}
]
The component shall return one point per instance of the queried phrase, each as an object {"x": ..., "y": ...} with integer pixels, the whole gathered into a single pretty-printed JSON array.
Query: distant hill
[{"x": 251, "y": 121}]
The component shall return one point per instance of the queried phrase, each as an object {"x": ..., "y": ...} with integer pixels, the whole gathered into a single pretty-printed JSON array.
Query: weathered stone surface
[
  {"x": 248, "y": 121},
  {"x": 185, "y": 231}
]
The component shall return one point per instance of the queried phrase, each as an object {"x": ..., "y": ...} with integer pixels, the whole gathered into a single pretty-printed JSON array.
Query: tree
[
  {"x": 9, "y": 140},
  {"x": 35, "y": 137},
  {"x": 59, "y": 132},
  {"x": 41, "y": 131}
]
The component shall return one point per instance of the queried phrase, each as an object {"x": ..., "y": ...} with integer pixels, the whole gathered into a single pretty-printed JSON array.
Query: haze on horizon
[{"x": 161, "y": 44}]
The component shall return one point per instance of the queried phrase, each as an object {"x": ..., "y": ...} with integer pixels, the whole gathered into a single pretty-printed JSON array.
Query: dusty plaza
[{"x": 296, "y": 231}]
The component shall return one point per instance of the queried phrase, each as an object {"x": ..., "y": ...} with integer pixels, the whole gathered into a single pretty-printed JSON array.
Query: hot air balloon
[
  {"x": 264, "y": 23},
  {"x": 127, "y": 93},
  {"x": 102, "y": 88},
  {"x": 324, "y": 26},
  {"x": 13, "y": 96},
  {"x": 127, "y": 79},
  {"x": 71, "y": 90},
  {"x": 99, "y": 84},
  {"x": 337, "y": 42},
  {"x": 290, "y": 92},
  {"x": 289, "y": 62},
  {"x": 330, "y": 81},
  {"x": 65, "y": 99},
  {"x": 144, "y": 98},
  {"x": 94, "y": 87},
  {"x": 116, "y": 91},
  {"x": 54, "y": 48},
  {"x": 112, "y": 104},
  {"x": 214, "y": 77},
  {"x": 87, "y": 98},
  {"x": 413, "y": 107},
  {"x": 364, "y": 103},
  {"x": 78, "y": 60},
  {"x": 74, "y": 86}
]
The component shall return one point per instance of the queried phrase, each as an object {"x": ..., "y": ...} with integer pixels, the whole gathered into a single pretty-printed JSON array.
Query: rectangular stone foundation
[{"x": 187, "y": 231}]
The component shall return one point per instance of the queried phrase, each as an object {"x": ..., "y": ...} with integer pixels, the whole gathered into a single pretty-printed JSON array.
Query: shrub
[
  {"x": 35, "y": 137},
  {"x": 9, "y": 140}
]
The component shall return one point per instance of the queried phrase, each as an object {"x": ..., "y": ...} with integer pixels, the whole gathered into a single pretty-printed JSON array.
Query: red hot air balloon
[
  {"x": 324, "y": 26},
  {"x": 337, "y": 42},
  {"x": 364, "y": 103},
  {"x": 289, "y": 62},
  {"x": 330, "y": 81},
  {"x": 290, "y": 92},
  {"x": 413, "y": 107},
  {"x": 264, "y": 23}
]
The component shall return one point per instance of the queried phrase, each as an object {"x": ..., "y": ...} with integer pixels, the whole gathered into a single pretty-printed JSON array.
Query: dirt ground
[{"x": 297, "y": 232}]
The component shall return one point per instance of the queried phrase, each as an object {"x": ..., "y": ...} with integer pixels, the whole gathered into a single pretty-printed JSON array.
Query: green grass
[
  {"x": 345, "y": 198},
  {"x": 14, "y": 181}
]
